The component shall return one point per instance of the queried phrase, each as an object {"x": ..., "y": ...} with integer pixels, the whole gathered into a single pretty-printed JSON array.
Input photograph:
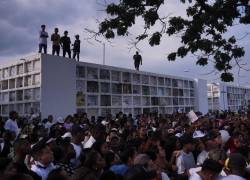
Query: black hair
[
  {"x": 56, "y": 174},
  {"x": 12, "y": 114},
  {"x": 97, "y": 145},
  {"x": 126, "y": 154},
  {"x": 90, "y": 160},
  {"x": 212, "y": 166},
  {"x": 19, "y": 143},
  {"x": 135, "y": 173}
]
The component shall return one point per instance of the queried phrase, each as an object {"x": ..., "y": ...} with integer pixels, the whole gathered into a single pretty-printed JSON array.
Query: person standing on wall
[
  {"x": 76, "y": 47},
  {"x": 43, "y": 40},
  {"x": 55, "y": 38},
  {"x": 137, "y": 60},
  {"x": 65, "y": 42}
]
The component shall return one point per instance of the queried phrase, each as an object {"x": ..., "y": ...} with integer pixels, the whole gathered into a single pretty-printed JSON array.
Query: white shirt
[
  {"x": 202, "y": 157},
  {"x": 193, "y": 171},
  {"x": 164, "y": 176},
  {"x": 43, "y": 40},
  {"x": 195, "y": 176},
  {"x": 233, "y": 177},
  {"x": 42, "y": 171},
  {"x": 11, "y": 126},
  {"x": 78, "y": 150},
  {"x": 48, "y": 125},
  {"x": 184, "y": 162}
]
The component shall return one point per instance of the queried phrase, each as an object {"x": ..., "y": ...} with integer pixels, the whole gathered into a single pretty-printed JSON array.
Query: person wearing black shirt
[
  {"x": 65, "y": 42},
  {"x": 76, "y": 48},
  {"x": 137, "y": 60}
]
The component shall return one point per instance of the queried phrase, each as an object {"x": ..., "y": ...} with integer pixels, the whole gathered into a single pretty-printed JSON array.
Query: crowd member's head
[
  {"x": 56, "y": 30},
  {"x": 50, "y": 118},
  {"x": 99, "y": 132},
  {"x": 78, "y": 133},
  {"x": 210, "y": 169},
  {"x": 66, "y": 33},
  {"x": 235, "y": 165},
  {"x": 111, "y": 159},
  {"x": 94, "y": 161},
  {"x": 187, "y": 143},
  {"x": 13, "y": 115},
  {"x": 42, "y": 152},
  {"x": 127, "y": 156},
  {"x": 68, "y": 150},
  {"x": 101, "y": 147},
  {"x": 114, "y": 143},
  {"x": 43, "y": 27},
  {"x": 212, "y": 140},
  {"x": 21, "y": 148},
  {"x": 58, "y": 174}
]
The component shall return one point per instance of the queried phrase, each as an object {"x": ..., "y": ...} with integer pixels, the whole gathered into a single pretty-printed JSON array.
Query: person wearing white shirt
[
  {"x": 43, "y": 35},
  {"x": 43, "y": 157},
  {"x": 49, "y": 123},
  {"x": 11, "y": 123},
  {"x": 185, "y": 160},
  {"x": 210, "y": 170},
  {"x": 78, "y": 135},
  {"x": 217, "y": 155}
]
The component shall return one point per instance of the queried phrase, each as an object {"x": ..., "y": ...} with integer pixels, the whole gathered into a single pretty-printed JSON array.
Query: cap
[
  {"x": 67, "y": 135},
  {"x": 43, "y": 25},
  {"x": 178, "y": 135},
  {"x": 170, "y": 131},
  {"x": 224, "y": 136},
  {"x": 198, "y": 134},
  {"x": 60, "y": 120},
  {"x": 104, "y": 122},
  {"x": 77, "y": 35}
]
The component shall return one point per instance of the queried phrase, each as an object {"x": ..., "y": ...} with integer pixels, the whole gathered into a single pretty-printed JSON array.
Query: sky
[{"x": 20, "y": 22}]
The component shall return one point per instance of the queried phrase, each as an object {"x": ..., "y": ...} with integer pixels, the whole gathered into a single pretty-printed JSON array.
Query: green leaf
[
  {"x": 172, "y": 56},
  {"x": 202, "y": 61},
  {"x": 232, "y": 40},
  {"x": 155, "y": 39},
  {"x": 227, "y": 77}
]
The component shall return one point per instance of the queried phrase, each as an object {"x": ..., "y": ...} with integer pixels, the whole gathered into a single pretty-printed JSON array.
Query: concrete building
[
  {"x": 61, "y": 86},
  {"x": 222, "y": 96}
]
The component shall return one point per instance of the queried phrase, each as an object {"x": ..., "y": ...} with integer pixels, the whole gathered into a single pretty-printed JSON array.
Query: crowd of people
[
  {"x": 58, "y": 42},
  {"x": 145, "y": 147}
]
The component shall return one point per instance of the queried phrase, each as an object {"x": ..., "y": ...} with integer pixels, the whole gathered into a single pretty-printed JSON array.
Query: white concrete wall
[
  {"x": 58, "y": 86},
  {"x": 201, "y": 95},
  {"x": 223, "y": 96}
]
